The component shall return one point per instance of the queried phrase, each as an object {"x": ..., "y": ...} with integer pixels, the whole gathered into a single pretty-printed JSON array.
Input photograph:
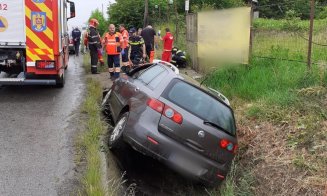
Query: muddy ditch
[{"x": 145, "y": 176}]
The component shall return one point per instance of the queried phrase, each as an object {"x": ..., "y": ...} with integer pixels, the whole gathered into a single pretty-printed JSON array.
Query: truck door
[{"x": 64, "y": 35}]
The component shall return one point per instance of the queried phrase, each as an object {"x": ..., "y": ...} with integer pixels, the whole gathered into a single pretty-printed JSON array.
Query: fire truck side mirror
[{"x": 72, "y": 9}]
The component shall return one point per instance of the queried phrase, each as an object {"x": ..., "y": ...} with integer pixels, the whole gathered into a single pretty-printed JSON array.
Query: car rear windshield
[{"x": 201, "y": 105}]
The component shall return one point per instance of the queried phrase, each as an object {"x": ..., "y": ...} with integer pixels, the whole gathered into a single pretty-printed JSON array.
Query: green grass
[
  {"x": 288, "y": 25},
  {"x": 279, "y": 92},
  {"x": 286, "y": 45},
  {"x": 87, "y": 63},
  {"x": 238, "y": 182},
  {"x": 272, "y": 80},
  {"x": 90, "y": 143}
]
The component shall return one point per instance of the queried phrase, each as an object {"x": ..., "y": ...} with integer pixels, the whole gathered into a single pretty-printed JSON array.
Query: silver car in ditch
[{"x": 171, "y": 117}]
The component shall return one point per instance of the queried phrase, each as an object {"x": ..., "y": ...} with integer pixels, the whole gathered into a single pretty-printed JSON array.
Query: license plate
[{"x": 187, "y": 165}]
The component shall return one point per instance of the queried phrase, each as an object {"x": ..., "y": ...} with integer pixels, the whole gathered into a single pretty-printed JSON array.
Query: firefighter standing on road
[
  {"x": 168, "y": 41},
  {"x": 125, "y": 46},
  {"x": 112, "y": 43},
  {"x": 94, "y": 44},
  {"x": 76, "y": 34}
]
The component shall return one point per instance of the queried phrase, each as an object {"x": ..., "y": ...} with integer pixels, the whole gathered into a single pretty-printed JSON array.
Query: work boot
[
  {"x": 117, "y": 74},
  {"x": 94, "y": 69},
  {"x": 112, "y": 77}
]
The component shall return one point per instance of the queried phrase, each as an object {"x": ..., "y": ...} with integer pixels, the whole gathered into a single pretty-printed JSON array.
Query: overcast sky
[{"x": 84, "y": 9}]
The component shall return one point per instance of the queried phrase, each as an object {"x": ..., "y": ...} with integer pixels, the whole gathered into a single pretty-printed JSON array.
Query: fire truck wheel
[{"x": 60, "y": 81}]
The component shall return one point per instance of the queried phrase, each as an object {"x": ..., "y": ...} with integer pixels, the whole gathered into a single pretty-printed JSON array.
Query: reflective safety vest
[
  {"x": 113, "y": 43},
  {"x": 125, "y": 38}
]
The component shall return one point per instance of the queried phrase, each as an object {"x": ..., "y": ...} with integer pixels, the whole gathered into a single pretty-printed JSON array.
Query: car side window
[{"x": 150, "y": 74}]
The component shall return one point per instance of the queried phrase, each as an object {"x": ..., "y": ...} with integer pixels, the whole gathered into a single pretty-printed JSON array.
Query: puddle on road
[{"x": 146, "y": 176}]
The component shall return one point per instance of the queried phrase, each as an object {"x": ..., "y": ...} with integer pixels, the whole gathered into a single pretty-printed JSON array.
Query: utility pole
[
  {"x": 102, "y": 11},
  {"x": 312, "y": 15},
  {"x": 176, "y": 22},
  {"x": 146, "y": 13},
  {"x": 168, "y": 13},
  {"x": 250, "y": 3}
]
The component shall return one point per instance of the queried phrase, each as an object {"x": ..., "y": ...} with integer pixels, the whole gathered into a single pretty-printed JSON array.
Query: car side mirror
[{"x": 72, "y": 10}]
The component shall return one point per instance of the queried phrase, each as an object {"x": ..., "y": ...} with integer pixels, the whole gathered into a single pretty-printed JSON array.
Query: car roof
[
  {"x": 169, "y": 65},
  {"x": 175, "y": 73}
]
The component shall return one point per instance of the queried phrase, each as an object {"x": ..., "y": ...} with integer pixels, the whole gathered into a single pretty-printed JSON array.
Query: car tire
[{"x": 116, "y": 135}]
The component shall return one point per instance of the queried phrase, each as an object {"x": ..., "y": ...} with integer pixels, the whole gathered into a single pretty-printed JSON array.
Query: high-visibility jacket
[
  {"x": 125, "y": 36},
  {"x": 113, "y": 43}
]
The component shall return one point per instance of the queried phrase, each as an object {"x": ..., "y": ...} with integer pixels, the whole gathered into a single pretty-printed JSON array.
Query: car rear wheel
[{"x": 116, "y": 136}]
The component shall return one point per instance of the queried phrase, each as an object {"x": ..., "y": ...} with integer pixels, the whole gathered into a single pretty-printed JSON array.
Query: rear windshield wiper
[{"x": 217, "y": 126}]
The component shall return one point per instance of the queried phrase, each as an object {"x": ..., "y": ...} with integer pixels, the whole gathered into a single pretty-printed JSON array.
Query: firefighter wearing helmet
[{"x": 94, "y": 44}]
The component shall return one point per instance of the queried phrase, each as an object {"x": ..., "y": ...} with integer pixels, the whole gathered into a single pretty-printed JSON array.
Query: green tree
[
  {"x": 279, "y": 8},
  {"x": 198, "y": 5},
  {"x": 128, "y": 12},
  {"x": 103, "y": 23}
]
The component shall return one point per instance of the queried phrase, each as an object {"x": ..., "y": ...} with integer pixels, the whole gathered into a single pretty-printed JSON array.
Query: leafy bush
[{"x": 323, "y": 13}]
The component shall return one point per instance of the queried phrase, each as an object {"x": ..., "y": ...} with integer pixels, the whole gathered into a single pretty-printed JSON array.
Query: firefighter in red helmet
[{"x": 94, "y": 44}]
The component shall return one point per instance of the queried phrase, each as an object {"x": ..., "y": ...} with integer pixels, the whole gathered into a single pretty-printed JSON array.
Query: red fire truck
[{"x": 34, "y": 41}]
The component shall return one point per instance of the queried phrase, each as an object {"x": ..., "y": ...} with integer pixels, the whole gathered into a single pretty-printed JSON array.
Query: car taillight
[
  {"x": 229, "y": 146},
  {"x": 165, "y": 110},
  {"x": 45, "y": 64},
  {"x": 173, "y": 115},
  {"x": 156, "y": 105}
]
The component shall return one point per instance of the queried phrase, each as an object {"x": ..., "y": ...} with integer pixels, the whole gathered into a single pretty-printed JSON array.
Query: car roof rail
[
  {"x": 221, "y": 96},
  {"x": 171, "y": 66}
]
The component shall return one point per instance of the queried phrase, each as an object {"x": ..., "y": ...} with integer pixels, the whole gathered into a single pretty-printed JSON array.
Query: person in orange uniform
[
  {"x": 168, "y": 41},
  {"x": 125, "y": 46},
  {"x": 112, "y": 43}
]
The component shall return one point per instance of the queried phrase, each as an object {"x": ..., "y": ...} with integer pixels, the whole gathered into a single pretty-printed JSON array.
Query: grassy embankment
[
  {"x": 281, "y": 116},
  {"x": 281, "y": 111},
  {"x": 89, "y": 143}
]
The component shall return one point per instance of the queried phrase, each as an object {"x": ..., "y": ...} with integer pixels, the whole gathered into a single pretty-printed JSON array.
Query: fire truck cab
[{"x": 34, "y": 41}]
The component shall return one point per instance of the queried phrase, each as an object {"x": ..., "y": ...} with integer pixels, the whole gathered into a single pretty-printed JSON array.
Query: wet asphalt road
[{"x": 36, "y": 136}]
